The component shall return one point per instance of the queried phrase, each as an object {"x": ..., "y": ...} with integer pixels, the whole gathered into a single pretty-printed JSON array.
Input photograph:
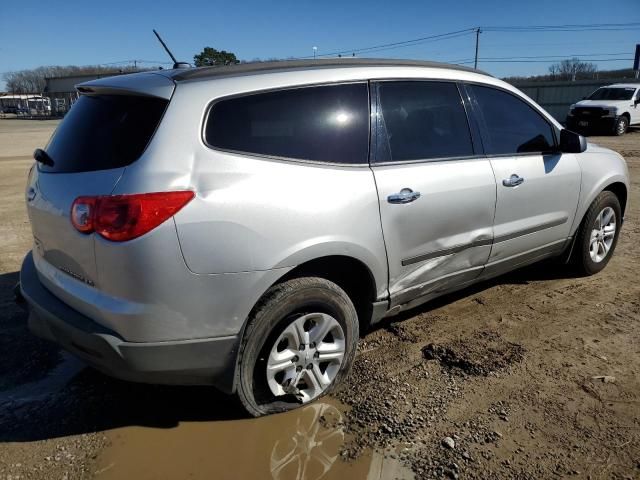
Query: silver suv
[{"x": 241, "y": 226}]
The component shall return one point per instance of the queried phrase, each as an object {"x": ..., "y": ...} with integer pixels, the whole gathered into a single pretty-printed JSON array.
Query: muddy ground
[{"x": 533, "y": 375}]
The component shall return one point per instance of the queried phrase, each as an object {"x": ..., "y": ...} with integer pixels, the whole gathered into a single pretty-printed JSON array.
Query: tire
[
  {"x": 621, "y": 126},
  {"x": 289, "y": 311},
  {"x": 590, "y": 255}
]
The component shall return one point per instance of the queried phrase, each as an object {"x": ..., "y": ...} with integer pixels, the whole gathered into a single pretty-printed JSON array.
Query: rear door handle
[
  {"x": 513, "y": 181},
  {"x": 406, "y": 195}
]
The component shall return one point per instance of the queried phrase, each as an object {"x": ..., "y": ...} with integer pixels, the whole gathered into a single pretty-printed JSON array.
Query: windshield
[{"x": 612, "y": 94}]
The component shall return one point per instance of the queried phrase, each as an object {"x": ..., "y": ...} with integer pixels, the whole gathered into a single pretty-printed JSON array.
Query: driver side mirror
[{"x": 571, "y": 142}]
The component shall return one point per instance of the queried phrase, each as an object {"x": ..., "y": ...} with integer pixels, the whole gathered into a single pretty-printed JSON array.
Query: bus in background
[{"x": 25, "y": 104}]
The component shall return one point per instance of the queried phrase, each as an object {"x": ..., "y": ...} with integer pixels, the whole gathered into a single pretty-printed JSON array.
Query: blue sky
[{"x": 34, "y": 33}]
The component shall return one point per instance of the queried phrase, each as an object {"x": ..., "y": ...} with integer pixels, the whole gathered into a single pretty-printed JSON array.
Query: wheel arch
[
  {"x": 602, "y": 169},
  {"x": 350, "y": 274},
  {"x": 620, "y": 191}
]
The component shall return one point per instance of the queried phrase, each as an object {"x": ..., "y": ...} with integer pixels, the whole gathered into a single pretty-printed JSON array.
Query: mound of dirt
[{"x": 481, "y": 354}]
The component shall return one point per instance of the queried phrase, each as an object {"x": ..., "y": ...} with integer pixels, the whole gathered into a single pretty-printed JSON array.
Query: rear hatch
[{"x": 107, "y": 129}]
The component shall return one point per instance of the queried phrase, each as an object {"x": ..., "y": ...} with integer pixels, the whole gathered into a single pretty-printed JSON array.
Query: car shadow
[
  {"x": 58, "y": 396},
  {"x": 541, "y": 271},
  {"x": 46, "y": 393}
]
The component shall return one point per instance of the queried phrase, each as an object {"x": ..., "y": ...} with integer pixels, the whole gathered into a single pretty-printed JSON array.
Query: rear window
[
  {"x": 325, "y": 124},
  {"x": 104, "y": 131}
]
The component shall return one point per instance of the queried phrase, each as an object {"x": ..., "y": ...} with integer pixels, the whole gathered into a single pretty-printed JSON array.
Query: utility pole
[{"x": 478, "y": 32}]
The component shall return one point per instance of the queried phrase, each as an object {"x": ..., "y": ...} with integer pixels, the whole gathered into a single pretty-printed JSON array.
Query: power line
[
  {"x": 388, "y": 46},
  {"x": 556, "y": 56},
  {"x": 548, "y": 61},
  {"x": 504, "y": 30},
  {"x": 377, "y": 50},
  {"x": 121, "y": 62},
  {"x": 495, "y": 28},
  {"x": 565, "y": 27}
]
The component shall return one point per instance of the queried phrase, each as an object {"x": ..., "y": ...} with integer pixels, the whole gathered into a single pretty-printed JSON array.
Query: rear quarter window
[
  {"x": 101, "y": 132},
  {"x": 323, "y": 123}
]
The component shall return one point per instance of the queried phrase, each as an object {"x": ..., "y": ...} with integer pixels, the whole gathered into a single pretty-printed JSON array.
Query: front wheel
[
  {"x": 621, "y": 126},
  {"x": 598, "y": 234},
  {"x": 299, "y": 343}
]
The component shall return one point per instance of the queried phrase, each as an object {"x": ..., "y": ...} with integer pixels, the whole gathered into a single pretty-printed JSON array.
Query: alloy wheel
[
  {"x": 621, "y": 126},
  {"x": 603, "y": 234},
  {"x": 306, "y": 357}
]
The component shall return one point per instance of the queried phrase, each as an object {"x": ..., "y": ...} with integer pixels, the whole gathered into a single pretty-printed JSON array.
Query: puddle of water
[{"x": 297, "y": 445}]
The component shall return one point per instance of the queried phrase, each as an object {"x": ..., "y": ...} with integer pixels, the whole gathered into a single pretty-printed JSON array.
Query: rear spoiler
[{"x": 149, "y": 84}]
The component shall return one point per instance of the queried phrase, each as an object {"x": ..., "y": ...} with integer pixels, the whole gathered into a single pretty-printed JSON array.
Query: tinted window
[
  {"x": 329, "y": 124},
  {"x": 103, "y": 131},
  {"x": 511, "y": 126},
  {"x": 612, "y": 94},
  {"x": 424, "y": 120}
]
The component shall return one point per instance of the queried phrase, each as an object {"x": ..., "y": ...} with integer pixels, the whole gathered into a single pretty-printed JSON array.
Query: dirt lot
[{"x": 533, "y": 375}]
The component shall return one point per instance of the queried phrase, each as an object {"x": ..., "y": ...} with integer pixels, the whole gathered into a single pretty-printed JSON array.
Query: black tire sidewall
[
  {"x": 583, "y": 258},
  {"x": 280, "y": 306},
  {"x": 615, "y": 128}
]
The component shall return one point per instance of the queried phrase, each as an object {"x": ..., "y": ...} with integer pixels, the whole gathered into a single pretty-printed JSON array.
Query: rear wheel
[
  {"x": 299, "y": 343},
  {"x": 598, "y": 234},
  {"x": 621, "y": 125}
]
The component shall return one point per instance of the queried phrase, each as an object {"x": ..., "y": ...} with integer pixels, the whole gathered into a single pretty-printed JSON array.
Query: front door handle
[
  {"x": 513, "y": 181},
  {"x": 406, "y": 195}
]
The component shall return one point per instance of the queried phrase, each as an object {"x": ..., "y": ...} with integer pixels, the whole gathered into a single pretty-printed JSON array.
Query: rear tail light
[
  {"x": 82, "y": 212},
  {"x": 124, "y": 217}
]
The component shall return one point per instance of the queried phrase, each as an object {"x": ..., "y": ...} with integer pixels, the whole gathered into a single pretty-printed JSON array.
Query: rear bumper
[{"x": 209, "y": 361}]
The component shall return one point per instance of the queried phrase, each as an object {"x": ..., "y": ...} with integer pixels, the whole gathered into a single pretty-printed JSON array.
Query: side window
[
  {"x": 424, "y": 120},
  {"x": 510, "y": 125},
  {"x": 327, "y": 123}
]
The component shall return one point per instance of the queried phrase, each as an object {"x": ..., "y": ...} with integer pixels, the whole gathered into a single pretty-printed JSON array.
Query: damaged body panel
[{"x": 446, "y": 236}]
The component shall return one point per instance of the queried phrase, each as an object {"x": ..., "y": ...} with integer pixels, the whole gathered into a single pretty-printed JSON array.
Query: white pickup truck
[{"x": 612, "y": 108}]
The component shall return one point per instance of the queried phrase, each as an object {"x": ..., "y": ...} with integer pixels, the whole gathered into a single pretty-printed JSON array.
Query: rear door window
[
  {"x": 424, "y": 120},
  {"x": 325, "y": 124},
  {"x": 104, "y": 131},
  {"x": 509, "y": 124}
]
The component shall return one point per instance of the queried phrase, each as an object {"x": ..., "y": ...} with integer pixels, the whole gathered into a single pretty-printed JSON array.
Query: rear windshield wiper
[{"x": 43, "y": 157}]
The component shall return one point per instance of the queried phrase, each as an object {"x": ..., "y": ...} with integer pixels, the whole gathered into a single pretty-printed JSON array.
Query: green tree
[{"x": 211, "y": 56}]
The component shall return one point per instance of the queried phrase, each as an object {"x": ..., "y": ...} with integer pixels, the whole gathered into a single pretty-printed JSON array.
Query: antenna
[{"x": 176, "y": 63}]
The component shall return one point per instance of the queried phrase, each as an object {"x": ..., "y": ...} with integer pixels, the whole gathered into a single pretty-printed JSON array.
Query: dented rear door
[{"x": 437, "y": 196}]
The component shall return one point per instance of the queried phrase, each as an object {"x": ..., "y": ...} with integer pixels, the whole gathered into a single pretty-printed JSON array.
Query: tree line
[
  {"x": 34, "y": 80},
  {"x": 574, "y": 69}
]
